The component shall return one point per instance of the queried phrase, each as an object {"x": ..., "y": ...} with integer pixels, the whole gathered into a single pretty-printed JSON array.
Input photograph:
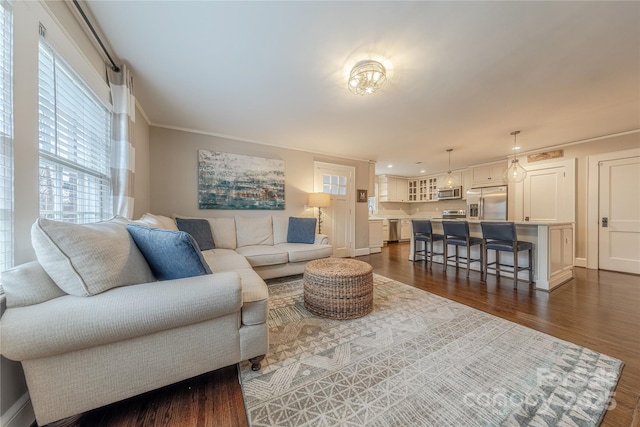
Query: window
[
  {"x": 75, "y": 147},
  {"x": 334, "y": 184},
  {"x": 6, "y": 137}
]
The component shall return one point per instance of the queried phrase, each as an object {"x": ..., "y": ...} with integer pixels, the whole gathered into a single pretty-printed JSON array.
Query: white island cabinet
[
  {"x": 553, "y": 251},
  {"x": 376, "y": 235}
]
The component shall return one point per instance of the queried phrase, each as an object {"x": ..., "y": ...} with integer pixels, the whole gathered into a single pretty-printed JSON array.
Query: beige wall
[{"x": 174, "y": 176}]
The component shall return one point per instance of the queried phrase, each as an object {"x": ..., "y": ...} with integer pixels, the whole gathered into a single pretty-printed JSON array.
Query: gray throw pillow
[
  {"x": 170, "y": 254},
  {"x": 200, "y": 230},
  {"x": 301, "y": 230}
]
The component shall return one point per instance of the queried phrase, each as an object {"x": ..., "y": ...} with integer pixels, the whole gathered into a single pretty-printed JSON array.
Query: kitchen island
[{"x": 553, "y": 251}]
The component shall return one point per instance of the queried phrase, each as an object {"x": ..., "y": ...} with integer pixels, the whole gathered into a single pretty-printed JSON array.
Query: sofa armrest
[
  {"x": 321, "y": 239},
  {"x": 70, "y": 323}
]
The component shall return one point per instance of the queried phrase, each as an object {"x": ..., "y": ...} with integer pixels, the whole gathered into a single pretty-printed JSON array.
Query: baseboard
[
  {"x": 362, "y": 252},
  {"x": 20, "y": 414},
  {"x": 580, "y": 262}
]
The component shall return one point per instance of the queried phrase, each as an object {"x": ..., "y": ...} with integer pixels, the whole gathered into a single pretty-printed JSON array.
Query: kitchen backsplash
[{"x": 428, "y": 210}]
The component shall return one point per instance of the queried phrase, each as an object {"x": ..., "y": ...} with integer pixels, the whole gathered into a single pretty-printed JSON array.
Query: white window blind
[
  {"x": 75, "y": 141},
  {"x": 6, "y": 137}
]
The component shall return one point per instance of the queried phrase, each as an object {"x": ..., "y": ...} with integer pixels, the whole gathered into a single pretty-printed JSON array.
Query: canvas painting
[{"x": 234, "y": 181}]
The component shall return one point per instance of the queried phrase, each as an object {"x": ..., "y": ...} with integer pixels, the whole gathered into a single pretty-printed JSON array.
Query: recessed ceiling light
[
  {"x": 389, "y": 166},
  {"x": 423, "y": 171},
  {"x": 515, "y": 148}
]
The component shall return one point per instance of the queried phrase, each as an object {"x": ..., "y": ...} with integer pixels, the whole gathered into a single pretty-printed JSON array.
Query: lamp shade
[{"x": 319, "y": 200}]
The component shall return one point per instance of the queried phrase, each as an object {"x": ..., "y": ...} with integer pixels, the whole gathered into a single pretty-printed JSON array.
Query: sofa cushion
[
  {"x": 303, "y": 252},
  {"x": 258, "y": 255},
  {"x": 200, "y": 230},
  {"x": 157, "y": 221},
  {"x": 301, "y": 230},
  {"x": 224, "y": 232},
  {"x": 225, "y": 260},
  {"x": 170, "y": 254},
  {"x": 88, "y": 259},
  {"x": 254, "y": 231},
  {"x": 28, "y": 284},
  {"x": 280, "y": 229}
]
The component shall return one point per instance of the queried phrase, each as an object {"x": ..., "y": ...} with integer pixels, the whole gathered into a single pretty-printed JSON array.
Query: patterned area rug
[{"x": 419, "y": 360}]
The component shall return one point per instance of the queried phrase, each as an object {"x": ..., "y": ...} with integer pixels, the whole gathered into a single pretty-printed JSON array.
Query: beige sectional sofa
[{"x": 91, "y": 326}]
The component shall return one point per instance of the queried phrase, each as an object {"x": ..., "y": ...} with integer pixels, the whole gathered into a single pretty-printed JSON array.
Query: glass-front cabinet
[
  {"x": 413, "y": 190},
  {"x": 432, "y": 189}
]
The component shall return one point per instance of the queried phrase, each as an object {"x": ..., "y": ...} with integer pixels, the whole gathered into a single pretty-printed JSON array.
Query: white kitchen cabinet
[
  {"x": 466, "y": 180},
  {"x": 561, "y": 256},
  {"x": 385, "y": 230},
  {"x": 432, "y": 189},
  {"x": 488, "y": 175},
  {"x": 423, "y": 190},
  {"x": 405, "y": 229},
  {"x": 393, "y": 189},
  {"x": 413, "y": 190},
  {"x": 376, "y": 235}
]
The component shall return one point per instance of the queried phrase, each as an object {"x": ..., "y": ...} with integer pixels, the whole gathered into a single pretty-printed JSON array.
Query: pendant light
[
  {"x": 450, "y": 180},
  {"x": 515, "y": 172}
]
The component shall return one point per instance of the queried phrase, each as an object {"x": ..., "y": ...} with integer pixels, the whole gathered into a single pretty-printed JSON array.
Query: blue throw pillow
[
  {"x": 301, "y": 230},
  {"x": 199, "y": 230},
  {"x": 170, "y": 254}
]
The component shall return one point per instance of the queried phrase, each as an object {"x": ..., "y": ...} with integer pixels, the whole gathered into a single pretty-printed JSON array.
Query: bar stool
[
  {"x": 423, "y": 232},
  {"x": 501, "y": 236},
  {"x": 457, "y": 233}
]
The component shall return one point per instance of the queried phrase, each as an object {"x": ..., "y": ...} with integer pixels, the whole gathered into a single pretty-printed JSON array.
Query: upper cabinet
[
  {"x": 488, "y": 175},
  {"x": 393, "y": 189},
  {"x": 466, "y": 180},
  {"x": 413, "y": 190}
]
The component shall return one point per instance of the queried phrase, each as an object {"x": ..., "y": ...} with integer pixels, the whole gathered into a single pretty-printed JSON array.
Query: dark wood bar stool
[
  {"x": 457, "y": 233},
  {"x": 423, "y": 232},
  {"x": 502, "y": 237}
]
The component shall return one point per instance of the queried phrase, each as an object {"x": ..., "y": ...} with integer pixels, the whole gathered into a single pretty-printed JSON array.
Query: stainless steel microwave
[{"x": 449, "y": 193}]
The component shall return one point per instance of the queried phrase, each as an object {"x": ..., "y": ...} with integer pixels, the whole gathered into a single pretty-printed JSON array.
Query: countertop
[
  {"x": 477, "y": 221},
  {"x": 471, "y": 221}
]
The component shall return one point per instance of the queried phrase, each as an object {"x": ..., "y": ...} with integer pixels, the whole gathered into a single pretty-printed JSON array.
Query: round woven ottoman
[{"x": 338, "y": 288}]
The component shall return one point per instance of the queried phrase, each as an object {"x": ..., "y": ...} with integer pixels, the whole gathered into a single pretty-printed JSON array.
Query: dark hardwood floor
[{"x": 598, "y": 309}]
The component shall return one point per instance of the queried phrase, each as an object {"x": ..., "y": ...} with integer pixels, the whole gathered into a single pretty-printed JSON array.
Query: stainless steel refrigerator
[{"x": 488, "y": 203}]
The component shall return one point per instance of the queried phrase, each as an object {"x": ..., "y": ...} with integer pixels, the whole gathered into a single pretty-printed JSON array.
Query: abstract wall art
[{"x": 235, "y": 181}]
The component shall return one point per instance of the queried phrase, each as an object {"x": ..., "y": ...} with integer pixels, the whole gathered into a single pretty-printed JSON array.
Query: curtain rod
[{"x": 114, "y": 67}]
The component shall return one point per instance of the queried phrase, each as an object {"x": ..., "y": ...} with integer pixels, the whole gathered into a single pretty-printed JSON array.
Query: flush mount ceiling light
[
  {"x": 450, "y": 180},
  {"x": 515, "y": 172},
  {"x": 367, "y": 77}
]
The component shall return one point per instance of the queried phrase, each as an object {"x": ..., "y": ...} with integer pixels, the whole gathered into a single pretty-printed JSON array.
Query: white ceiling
[{"x": 461, "y": 75}]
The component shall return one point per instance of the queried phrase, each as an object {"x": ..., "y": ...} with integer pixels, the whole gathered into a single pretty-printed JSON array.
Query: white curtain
[{"x": 122, "y": 143}]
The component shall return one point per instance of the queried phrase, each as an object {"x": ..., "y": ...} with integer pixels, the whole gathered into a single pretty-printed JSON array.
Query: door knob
[{"x": 605, "y": 221}]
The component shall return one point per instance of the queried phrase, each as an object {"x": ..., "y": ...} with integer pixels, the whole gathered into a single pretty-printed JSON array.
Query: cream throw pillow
[{"x": 88, "y": 259}]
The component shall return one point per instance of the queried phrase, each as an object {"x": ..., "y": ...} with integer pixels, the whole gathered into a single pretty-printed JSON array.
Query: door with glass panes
[{"x": 338, "y": 220}]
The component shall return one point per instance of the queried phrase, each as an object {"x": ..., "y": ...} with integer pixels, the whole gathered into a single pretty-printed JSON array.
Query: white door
[
  {"x": 338, "y": 219},
  {"x": 619, "y": 215},
  {"x": 548, "y": 192},
  {"x": 544, "y": 195}
]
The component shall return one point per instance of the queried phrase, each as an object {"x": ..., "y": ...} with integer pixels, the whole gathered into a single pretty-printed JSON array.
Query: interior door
[
  {"x": 338, "y": 219},
  {"x": 619, "y": 212},
  {"x": 549, "y": 192}
]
